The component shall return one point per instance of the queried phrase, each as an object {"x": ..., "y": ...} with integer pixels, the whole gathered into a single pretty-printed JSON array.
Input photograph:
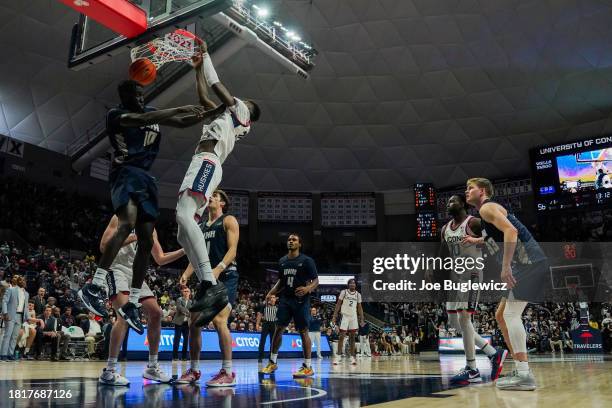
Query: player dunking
[
  {"x": 119, "y": 280},
  {"x": 298, "y": 278},
  {"x": 523, "y": 269},
  {"x": 461, "y": 305},
  {"x": 349, "y": 305},
  {"x": 133, "y": 129},
  {"x": 232, "y": 121},
  {"x": 221, "y": 233}
]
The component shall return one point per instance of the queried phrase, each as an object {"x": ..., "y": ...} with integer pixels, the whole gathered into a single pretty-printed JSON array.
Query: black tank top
[
  {"x": 216, "y": 241},
  {"x": 527, "y": 251}
]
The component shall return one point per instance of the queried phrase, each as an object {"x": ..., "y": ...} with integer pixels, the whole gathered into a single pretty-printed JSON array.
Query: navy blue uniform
[
  {"x": 216, "y": 242},
  {"x": 529, "y": 263},
  {"x": 135, "y": 150},
  {"x": 295, "y": 272}
]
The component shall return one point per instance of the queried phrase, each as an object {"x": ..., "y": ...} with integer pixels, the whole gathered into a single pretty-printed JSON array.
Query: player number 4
[{"x": 290, "y": 281}]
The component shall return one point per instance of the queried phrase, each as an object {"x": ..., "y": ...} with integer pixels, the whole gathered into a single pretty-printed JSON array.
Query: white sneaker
[
  {"x": 155, "y": 373},
  {"x": 111, "y": 377},
  {"x": 336, "y": 360}
]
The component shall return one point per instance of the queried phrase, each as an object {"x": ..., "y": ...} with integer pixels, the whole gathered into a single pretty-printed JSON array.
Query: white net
[{"x": 178, "y": 45}]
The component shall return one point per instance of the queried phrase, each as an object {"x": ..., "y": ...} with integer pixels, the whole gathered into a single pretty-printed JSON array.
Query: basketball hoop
[{"x": 179, "y": 45}]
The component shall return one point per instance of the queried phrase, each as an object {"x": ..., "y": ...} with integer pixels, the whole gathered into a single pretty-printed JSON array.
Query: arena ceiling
[{"x": 403, "y": 91}]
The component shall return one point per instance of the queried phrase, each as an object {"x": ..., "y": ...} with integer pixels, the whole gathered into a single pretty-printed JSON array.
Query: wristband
[{"x": 223, "y": 265}]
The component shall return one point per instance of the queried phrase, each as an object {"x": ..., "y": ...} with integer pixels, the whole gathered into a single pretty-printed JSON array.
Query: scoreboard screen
[
  {"x": 573, "y": 174},
  {"x": 424, "y": 196},
  {"x": 427, "y": 226},
  {"x": 425, "y": 208}
]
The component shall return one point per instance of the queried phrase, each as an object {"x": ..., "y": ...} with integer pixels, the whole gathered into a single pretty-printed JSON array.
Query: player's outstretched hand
[
  {"x": 469, "y": 240},
  {"x": 183, "y": 280},
  {"x": 196, "y": 61},
  {"x": 193, "y": 109},
  {"x": 301, "y": 291}
]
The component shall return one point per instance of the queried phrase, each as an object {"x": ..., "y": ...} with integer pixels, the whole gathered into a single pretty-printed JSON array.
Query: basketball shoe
[
  {"x": 111, "y": 377},
  {"x": 270, "y": 368},
  {"x": 131, "y": 314},
  {"x": 189, "y": 377},
  {"x": 497, "y": 363},
  {"x": 209, "y": 300},
  {"x": 466, "y": 376},
  {"x": 303, "y": 372},
  {"x": 155, "y": 373},
  {"x": 94, "y": 298},
  {"x": 517, "y": 382},
  {"x": 222, "y": 379}
]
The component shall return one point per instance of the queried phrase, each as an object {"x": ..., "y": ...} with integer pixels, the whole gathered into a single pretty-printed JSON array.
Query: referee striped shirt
[{"x": 269, "y": 313}]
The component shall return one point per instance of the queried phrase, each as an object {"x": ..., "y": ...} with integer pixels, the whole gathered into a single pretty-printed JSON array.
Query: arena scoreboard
[
  {"x": 573, "y": 174},
  {"x": 425, "y": 208}
]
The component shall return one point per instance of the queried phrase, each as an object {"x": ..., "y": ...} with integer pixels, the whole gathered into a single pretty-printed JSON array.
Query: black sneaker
[
  {"x": 94, "y": 298},
  {"x": 211, "y": 303},
  {"x": 131, "y": 314}
]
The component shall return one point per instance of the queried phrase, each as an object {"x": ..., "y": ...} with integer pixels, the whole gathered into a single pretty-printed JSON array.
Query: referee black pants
[{"x": 267, "y": 329}]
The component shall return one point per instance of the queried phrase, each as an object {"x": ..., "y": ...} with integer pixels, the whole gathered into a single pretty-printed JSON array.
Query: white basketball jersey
[
  {"x": 229, "y": 127},
  {"x": 453, "y": 238},
  {"x": 349, "y": 302},
  {"x": 126, "y": 256}
]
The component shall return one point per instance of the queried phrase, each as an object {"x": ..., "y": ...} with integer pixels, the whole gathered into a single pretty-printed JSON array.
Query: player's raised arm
[
  {"x": 192, "y": 119},
  {"x": 212, "y": 79},
  {"x": 134, "y": 119},
  {"x": 161, "y": 257},
  {"x": 201, "y": 86}
]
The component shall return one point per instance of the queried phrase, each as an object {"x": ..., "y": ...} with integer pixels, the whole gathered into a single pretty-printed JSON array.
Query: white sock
[
  {"x": 471, "y": 364},
  {"x": 273, "y": 357},
  {"x": 191, "y": 238},
  {"x": 100, "y": 277},
  {"x": 152, "y": 360},
  {"x": 27, "y": 350},
  {"x": 227, "y": 366},
  {"x": 195, "y": 365},
  {"x": 489, "y": 350},
  {"x": 134, "y": 295},
  {"x": 111, "y": 363},
  {"x": 522, "y": 367},
  {"x": 307, "y": 362}
]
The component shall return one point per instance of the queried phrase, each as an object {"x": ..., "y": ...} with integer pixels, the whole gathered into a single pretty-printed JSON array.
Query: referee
[{"x": 266, "y": 324}]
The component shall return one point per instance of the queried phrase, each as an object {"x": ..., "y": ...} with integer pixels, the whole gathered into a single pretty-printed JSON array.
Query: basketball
[{"x": 142, "y": 71}]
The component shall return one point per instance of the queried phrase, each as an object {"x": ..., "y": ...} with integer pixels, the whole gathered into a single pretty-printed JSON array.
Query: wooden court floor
[{"x": 403, "y": 381}]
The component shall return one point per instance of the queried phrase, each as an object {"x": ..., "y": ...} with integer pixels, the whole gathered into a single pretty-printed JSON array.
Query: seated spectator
[
  {"x": 555, "y": 340},
  {"x": 92, "y": 331},
  {"x": 67, "y": 318},
  {"x": 51, "y": 332}
]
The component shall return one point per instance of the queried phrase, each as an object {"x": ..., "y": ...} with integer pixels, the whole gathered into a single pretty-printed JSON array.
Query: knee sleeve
[{"x": 516, "y": 331}]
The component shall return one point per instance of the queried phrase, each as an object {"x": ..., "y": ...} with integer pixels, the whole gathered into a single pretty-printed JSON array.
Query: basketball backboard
[{"x": 92, "y": 42}]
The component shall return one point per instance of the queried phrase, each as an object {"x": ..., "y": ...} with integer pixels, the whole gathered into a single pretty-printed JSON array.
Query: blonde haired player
[{"x": 349, "y": 305}]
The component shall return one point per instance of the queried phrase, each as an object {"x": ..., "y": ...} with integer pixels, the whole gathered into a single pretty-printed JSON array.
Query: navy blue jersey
[
  {"x": 216, "y": 240},
  {"x": 527, "y": 251},
  {"x": 133, "y": 146},
  {"x": 296, "y": 272}
]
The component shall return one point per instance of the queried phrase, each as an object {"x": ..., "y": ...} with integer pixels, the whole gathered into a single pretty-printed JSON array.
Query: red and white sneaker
[
  {"x": 190, "y": 376},
  {"x": 222, "y": 379}
]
